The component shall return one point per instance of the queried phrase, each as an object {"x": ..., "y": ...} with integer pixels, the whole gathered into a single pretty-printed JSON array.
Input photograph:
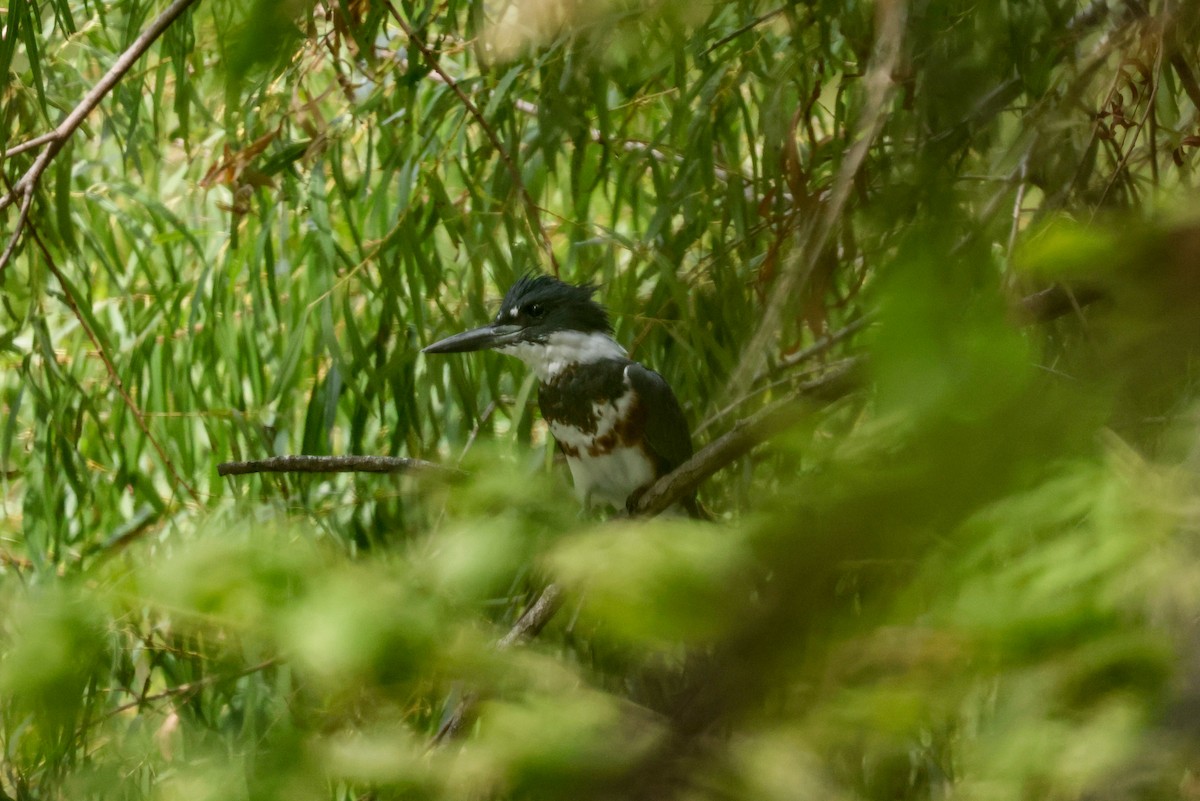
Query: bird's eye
[{"x": 535, "y": 310}]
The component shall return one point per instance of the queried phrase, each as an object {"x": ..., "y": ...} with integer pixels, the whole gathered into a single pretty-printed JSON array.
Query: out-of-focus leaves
[
  {"x": 55, "y": 648},
  {"x": 241, "y": 579},
  {"x": 660, "y": 582},
  {"x": 543, "y": 744},
  {"x": 362, "y": 628},
  {"x": 1063, "y": 249},
  {"x": 264, "y": 32},
  {"x": 387, "y": 756}
]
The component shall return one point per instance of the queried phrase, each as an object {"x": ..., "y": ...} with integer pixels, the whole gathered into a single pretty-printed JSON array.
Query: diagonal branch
[
  {"x": 28, "y": 144},
  {"x": 189, "y": 687},
  {"x": 22, "y": 218},
  {"x": 819, "y": 347},
  {"x": 749, "y": 26},
  {"x": 739, "y": 440},
  {"x": 54, "y": 141},
  {"x": 1054, "y": 302}
]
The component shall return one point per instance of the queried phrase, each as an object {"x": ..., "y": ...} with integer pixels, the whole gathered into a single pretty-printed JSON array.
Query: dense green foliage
[{"x": 973, "y": 574}]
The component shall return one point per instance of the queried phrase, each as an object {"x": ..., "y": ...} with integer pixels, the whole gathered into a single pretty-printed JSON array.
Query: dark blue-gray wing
[{"x": 666, "y": 430}]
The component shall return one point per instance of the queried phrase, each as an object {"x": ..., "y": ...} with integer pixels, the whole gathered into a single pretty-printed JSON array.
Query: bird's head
[{"x": 535, "y": 312}]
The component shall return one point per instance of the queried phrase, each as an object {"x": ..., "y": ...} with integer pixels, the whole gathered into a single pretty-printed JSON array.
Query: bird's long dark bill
[{"x": 488, "y": 336}]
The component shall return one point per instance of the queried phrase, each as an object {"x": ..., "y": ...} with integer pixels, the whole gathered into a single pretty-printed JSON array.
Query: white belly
[
  {"x": 611, "y": 477},
  {"x": 607, "y": 478}
]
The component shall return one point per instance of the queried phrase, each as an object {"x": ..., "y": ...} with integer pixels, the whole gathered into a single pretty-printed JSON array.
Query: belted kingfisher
[{"x": 618, "y": 423}]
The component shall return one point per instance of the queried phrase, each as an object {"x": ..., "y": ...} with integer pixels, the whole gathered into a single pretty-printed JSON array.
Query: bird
[{"x": 618, "y": 423}]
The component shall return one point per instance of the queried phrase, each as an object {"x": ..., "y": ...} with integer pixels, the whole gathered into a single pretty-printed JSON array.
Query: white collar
[{"x": 563, "y": 349}]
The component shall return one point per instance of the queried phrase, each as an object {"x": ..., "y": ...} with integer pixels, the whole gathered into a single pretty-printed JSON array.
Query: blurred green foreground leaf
[{"x": 979, "y": 586}]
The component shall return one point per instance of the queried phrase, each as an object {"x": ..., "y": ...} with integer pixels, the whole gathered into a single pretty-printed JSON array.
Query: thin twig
[
  {"x": 655, "y": 152},
  {"x": 531, "y": 623},
  {"x": 1039, "y": 307},
  {"x": 1052, "y": 303},
  {"x": 329, "y": 464},
  {"x": 109, "y": 366},
  {"x": 22, "y": 218},
  {"x": 29, "y": 144},
  {"x": 190, "y": 687},
  {"x": 1123, "y": 163},
  {"x": 531, "y": 209},
  {"x": 819, "y": 347},
  {"x": 54, "y": 140},
  {"x": 454, "y": 724},
  {"x": 483, "y": 418},
  {"x": 773, "y": 385},
  {"x": 752, "y": 24}
]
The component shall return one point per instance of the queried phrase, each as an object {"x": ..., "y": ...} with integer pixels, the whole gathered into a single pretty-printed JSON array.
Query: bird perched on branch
[{"x": 618, "y": 423}]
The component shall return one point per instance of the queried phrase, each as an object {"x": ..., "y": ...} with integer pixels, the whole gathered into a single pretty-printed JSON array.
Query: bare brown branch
[
  {"x": 822, "y": 345},
  {"x": 190, "y": 687},
  {"x": 535, "y": 618},
  {"x": 29, "y": 144},
  {"x": 53, "y": 141},
  {"x": 329, "y": 464},
  {"x": 18, "y": 229}
]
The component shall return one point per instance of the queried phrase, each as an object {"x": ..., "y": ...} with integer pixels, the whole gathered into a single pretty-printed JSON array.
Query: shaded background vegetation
[{"x": 975, "y": 574}]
